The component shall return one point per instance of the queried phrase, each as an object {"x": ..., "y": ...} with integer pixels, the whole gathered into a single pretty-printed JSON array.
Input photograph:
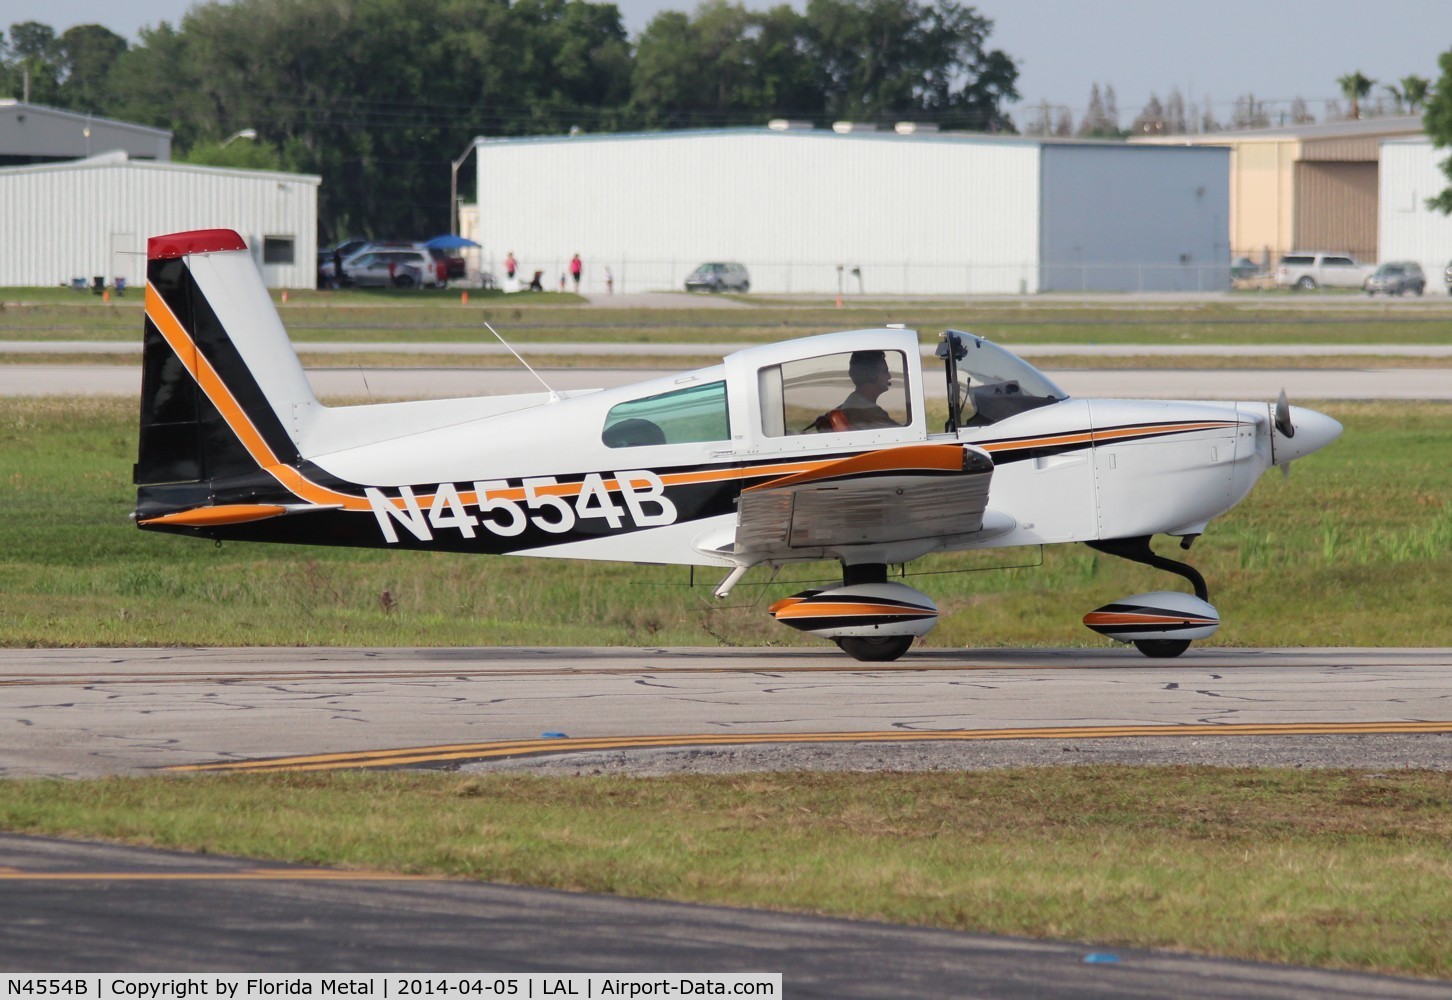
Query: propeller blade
[{"x": 1283, "y": 416}]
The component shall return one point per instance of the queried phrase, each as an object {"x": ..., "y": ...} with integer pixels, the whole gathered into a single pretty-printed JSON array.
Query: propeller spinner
[{"x": 1299, "y": 431}]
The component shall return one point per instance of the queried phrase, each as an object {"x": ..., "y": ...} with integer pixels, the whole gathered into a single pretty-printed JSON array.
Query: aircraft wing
[{"x": 890, "y": 495}]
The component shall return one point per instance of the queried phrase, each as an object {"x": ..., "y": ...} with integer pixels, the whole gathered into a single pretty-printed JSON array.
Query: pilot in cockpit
[{"x": 872, "y": 377}]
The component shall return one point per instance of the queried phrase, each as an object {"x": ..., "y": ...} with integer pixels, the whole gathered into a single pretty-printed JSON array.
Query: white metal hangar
[
  {"x": 88, "y": 219},
  {"x": 1411, "y": 173},
  {"x": 822, "y": 211}
]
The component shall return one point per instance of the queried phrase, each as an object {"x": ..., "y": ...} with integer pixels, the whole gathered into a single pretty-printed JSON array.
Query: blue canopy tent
[{"x": 449, "y": 241}]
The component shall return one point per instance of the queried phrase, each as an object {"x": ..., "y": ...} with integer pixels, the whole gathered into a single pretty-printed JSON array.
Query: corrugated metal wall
[
  {"x": 1135, "y": 218},
  {"x": 1409, "y": 230},
  {"x": 82, "y": 220},
  {"x": 920, "y": 215},
  {"x": 1336, "y": 208}
]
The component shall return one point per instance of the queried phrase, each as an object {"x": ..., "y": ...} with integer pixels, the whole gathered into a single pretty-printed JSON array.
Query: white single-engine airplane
[{"x": 813, "y": 449}]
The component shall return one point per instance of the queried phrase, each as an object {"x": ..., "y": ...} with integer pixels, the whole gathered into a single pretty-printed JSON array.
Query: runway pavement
[{"x": 85, "y": 713}]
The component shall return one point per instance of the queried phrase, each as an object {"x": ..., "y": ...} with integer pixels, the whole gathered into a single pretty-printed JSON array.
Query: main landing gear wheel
[
  {"x": 875, "y": 648},
  {"x": 1162, "y": 649}
]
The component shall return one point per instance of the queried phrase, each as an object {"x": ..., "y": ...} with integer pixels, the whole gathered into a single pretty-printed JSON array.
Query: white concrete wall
[
  {"x": 915, "y": 215},
  {"x": 1407, "y": 229},
  {"x": 92, "y": 218}
]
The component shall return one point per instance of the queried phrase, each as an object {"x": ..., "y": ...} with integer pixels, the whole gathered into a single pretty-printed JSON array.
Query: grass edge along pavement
[
  {"x": 1336, "y": 869},
  {"x": 442, "y": 317}
]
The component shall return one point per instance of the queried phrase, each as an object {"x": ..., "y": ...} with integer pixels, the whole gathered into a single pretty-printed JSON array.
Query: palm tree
[
  {"x": 1355, "y": 86},
  {"x": 1414, "y": 91}
]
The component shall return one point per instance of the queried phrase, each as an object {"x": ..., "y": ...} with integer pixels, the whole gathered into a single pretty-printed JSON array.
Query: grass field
[
  {"x": 1335, "y": 869},
  {"x": 1355, "y": 548},
  {"x": 541, "y": 319}
]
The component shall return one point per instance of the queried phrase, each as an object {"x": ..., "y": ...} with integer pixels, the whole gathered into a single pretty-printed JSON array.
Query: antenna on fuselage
[{"x": 554, "y": 396}]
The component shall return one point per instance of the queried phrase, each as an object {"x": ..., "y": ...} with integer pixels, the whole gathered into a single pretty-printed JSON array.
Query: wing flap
[{"x": 879, "y": 497}]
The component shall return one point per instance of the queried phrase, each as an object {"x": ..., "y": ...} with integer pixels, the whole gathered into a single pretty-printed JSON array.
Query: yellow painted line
[
  {"x": 836, "y": 665},
  {"x": 246, "y": 875},
  {"x": 517, "y": 748}
]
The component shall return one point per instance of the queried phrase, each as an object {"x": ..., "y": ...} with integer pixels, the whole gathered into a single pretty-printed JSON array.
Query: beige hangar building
[{"x": 1305, "y": 187}]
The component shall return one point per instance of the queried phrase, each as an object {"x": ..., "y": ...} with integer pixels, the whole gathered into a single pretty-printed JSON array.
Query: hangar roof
[{"x": 34, "y": 133}]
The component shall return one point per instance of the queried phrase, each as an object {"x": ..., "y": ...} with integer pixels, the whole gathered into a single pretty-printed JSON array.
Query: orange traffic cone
[{"x": 463, "y": 298}]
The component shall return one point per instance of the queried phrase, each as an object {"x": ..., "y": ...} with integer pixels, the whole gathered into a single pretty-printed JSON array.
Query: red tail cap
[{"x": 196, "y": 241}]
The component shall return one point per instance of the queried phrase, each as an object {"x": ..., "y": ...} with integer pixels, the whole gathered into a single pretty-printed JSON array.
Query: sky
[{"x": 1277, "y": 50}]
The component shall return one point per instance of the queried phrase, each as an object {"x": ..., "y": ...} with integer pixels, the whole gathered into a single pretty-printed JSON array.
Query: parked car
[
  {"x": 432, "y": 271},
  {"x": 390, "y": 268},
  {"x": 452, "y": 263},
  {"x": 719, "y": 277},
  {"x": 1447, "y": 276},
  {"x": 1243, "y": 269},
  {"x": 1307, "y": 271},
  {"x": 1397, "y": 277}
]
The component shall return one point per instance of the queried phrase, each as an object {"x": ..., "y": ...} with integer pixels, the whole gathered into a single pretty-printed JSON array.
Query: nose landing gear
[{"x": 1162, "y": 624}]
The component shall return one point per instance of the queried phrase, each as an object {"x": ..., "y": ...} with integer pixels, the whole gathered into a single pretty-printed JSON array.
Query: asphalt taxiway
[{"x": 77, "y": 907}]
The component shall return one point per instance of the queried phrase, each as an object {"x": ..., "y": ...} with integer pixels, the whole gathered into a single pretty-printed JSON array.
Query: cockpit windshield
[{"x": 987, "y": 383}]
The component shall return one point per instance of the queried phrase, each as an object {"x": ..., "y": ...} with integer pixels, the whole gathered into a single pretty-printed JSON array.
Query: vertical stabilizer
[{"x": 223, "y": 392}]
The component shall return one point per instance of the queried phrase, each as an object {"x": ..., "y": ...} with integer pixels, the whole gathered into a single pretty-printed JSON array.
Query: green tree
[
  {"x": 1437, "y": 119},
  {"x": 725, "y": 65},
  {"x": 1355, "y": 86},
  {"x": 376, "y": 96},
  {"x": 35, "y": 64},
  {"x": 894, "y": 58},
  {"x": 1412, "y": 92},
  {"x": 87, "y": 54}
]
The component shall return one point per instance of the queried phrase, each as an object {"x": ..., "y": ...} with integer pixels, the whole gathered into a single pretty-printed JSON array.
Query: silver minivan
[{"x": 719, "y": 277}]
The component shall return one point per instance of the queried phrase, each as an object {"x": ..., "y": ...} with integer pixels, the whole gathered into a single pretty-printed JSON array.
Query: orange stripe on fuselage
[{"x": 1096, "y": 436}]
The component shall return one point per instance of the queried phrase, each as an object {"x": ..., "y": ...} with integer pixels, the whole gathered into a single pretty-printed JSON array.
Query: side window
[
  {"x": 277, "y": 250},
  {"x": 697, "y": 413},
  {"x": 863, "y": 390},
  {"x": 1339, "y": 262}
]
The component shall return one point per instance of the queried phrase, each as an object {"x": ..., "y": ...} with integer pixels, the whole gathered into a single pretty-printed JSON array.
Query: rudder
[{"x": 223, "y": 393}]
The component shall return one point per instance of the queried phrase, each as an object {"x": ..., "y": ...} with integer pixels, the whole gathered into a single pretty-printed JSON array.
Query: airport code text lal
[{"x": 524, "y": 987}]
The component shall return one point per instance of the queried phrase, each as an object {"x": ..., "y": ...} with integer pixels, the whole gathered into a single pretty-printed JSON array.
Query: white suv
[
  {"x": 391, "y": 268},
  {"x": 1306, "y": 272}
]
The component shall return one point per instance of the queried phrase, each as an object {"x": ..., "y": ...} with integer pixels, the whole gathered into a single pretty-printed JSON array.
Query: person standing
[
  {"x": 510, "y": 266},
  {"x": 576, "y": 268}
]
